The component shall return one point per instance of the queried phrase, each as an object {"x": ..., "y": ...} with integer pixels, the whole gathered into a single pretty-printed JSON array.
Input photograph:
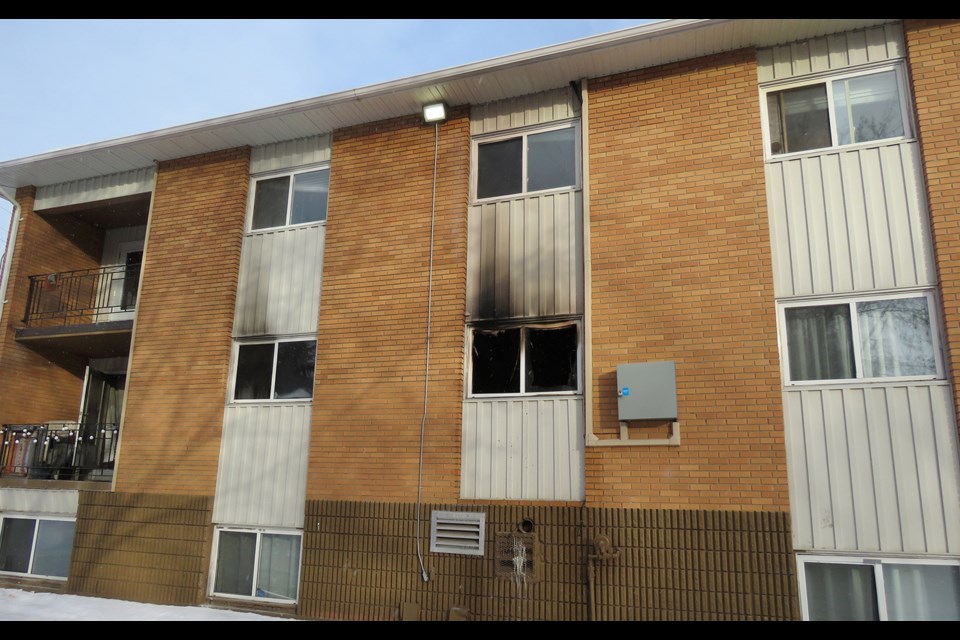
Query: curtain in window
[
  {"x": 841, "y": 592},
  {"x": 235, "y": 560},
  {"x": 279, "y": 565},
  {"x": 895, "y": 338},
  {"x": 820, "y": 343},
  {"x": 922, "y": 592}
]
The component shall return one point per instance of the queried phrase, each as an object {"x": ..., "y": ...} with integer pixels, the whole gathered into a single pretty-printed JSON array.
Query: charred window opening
[{"x": 526, "y": 359}]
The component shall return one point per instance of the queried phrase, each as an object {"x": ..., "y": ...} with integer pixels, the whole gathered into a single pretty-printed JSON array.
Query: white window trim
[
  {"x": 33, "y": 545},
  {"x": 235, "y": 361},
  {"x": 268, "y": 175},
  {"x": 876, "y": 561},
  {"x": 553, "y": 324},
  {"x": 828, "y": 78},
  {"x": 212, "y": 578},
  {"x": 524, "y": 132},
  {"x": 851, "y": 300}
]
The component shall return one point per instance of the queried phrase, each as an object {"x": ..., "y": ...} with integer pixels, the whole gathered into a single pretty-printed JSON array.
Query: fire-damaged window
[
  {"x": 527, "y": 162},
  {"x": 275, "y": 370},
  {"x": 524, "y": 359}
]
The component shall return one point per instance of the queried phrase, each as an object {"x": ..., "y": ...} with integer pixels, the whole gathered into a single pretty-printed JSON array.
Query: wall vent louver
[{"x": 459, "y": 532}]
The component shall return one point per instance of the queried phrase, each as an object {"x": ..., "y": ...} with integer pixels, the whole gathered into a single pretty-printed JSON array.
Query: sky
[
  {"x": 74, "y": 82},
  {"x": 16, "y": 604}
]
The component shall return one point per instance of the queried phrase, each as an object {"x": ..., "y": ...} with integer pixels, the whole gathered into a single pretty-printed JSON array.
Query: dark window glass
[
  {"x": 551, "y": 159},
  {"x": 254, "y": 372},
  {"x": 131, "y": 280},
  {"x": 551, "y": 359},
  {"x": 54, "y": 545},
  {"x": 841, "y": 592},
  {"x": 496, "y": 361},
  {"x": 310, "y": 196},
  {"x": 500, "y": 168},
  {"x": 16, "y": 539},
  {"x": 235, "y": 558},
  {"x": 820, "y": 343},
  {"x": 799, "y": 119},
  {"x": 270, "y": 203},
  {"x": 295, "y": 362}
]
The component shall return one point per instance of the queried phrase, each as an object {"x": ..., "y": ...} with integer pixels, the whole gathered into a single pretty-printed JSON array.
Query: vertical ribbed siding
[
  {"x": 116, "y": 185},
  {"x": 263, "y": 465},
  {"x": 874, "y": 469},
  {"x": 525, "y": 257},
  {"x": 849, "y": 221},
  {"x": 522, "y": 449},
  {"x": 360, "y": 563},
  {"x": 290, "y": 154},
  {"x": 279, "y": 287},
  {"x": 831, "y": 53},
  {"x": 538, "y": 108},
  {"x": 147, "y": 548},
  {"x": 46, "y": 501}
]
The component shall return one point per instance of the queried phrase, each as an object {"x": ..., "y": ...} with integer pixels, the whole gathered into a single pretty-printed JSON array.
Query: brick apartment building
[{"x": 660, "y": 324}]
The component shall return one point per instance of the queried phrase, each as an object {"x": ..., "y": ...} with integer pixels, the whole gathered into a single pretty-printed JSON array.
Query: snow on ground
[{"x": 26, "y": 605}]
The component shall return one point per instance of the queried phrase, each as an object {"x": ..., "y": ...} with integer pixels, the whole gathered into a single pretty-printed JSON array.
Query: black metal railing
[
  {"x": 58, "y": 451},
  {"x": 84, "y": 296}
]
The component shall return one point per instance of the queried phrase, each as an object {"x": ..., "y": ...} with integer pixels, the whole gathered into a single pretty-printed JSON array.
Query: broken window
[{"x": 525, "y": 359}]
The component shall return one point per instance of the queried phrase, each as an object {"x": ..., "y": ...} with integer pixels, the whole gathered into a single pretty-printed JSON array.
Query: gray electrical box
[{"x": 647, "y": 391}]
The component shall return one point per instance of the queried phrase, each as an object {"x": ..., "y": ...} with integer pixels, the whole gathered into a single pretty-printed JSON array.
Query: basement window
[
  {"x": 257, "y": 563},
  {"x": 292, "y": 199},
  {"x": 38, "y": 547},
  {"x": 275, "y": 370},
  {"x": 845, "y": 110},
  {"x": 530, "y": 359},
  {"x": 532, "y": 161}
]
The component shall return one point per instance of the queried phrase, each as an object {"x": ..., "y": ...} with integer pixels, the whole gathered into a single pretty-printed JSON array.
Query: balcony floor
[{"x": 95, "y": 340}]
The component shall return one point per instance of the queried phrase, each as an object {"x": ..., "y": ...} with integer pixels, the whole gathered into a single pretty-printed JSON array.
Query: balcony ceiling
[{"x": 507, "y": 76}]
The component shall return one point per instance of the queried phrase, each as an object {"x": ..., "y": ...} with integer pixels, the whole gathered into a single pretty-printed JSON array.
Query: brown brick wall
[
  {"x": 360, "y": 563},
  {"x": 170, "y": 442},
  {"x": 933, "y": 53},
  {"x": 370, "y": 353},
  {"x": 146, "y": 548},
  {"x": 682, "y": 271},
  {"x": 39, "y": 387}
]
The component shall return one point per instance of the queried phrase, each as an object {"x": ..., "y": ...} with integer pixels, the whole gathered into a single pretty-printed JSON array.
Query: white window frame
[
  {"x": 876, "y": 561},
  {"x": 259, "y": 531},
  {"x": 524, "y": 133},
  {"x": 235, "y": 359},
  {"x": 33, "y": 545},
  {"x": 827, "y": 79},
  {"x": 932, "y": 314},
  {"x": 252, "y": 197},
  {"x": 553, "y": 324}
]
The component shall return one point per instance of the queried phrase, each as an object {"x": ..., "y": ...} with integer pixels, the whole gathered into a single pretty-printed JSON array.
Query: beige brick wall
[
  {"x": 682, "y": 271},
  {"x": 176, "y": 390},
  {"x": 370, "y": 353},
  {"x": 933, "y": 53},
  {"x": 39, "y": 387}
]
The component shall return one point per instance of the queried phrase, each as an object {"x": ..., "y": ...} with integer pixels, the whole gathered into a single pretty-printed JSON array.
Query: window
[
  {"x": 276, "y": 370},
  {"x": 877, "y": 338},
  {"x": 529, "y": 162},
  {"x": 837, "y": 588},
  {"x": 257, "y": 563},
  {"x": 529, "y": 359},
  {"x": 36, "y": 546},
  {"x": 846, "y": 110},
  {"x": 297, "y": 198}
]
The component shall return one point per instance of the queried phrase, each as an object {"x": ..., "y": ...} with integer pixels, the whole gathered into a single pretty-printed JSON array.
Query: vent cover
[
  {"x": 517, "y": 557},
  {"x": 457, "y": 532}
]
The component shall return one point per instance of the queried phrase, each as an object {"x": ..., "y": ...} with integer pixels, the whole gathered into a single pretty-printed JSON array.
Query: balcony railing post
[
  {"x": 57, "y": 451},
  {"x": 77, "y": 296}
]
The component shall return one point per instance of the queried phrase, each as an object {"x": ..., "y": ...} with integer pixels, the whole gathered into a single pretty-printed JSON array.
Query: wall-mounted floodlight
[{"x": 436, "y": 112}]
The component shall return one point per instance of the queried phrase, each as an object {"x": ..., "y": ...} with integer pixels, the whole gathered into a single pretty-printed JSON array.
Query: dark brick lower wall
[
  {"x": 148, "y": 548},
  {"x": 360, "y": 563}
]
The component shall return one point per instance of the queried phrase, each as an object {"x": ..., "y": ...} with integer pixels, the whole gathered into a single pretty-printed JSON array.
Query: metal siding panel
[
  {"x": 948, "y": 458},
  {"x": 919, "y": 219},
  {"x": 547, "y": 252},
  {"x": 877, "y": 222},
  {"x": 837, "y": 45},
  {"x": 518, "y": 280},
  {"x": 895, "y": 43},
  {"x": 474, "y": 253},
  {"x": 876, "y": 44},
  {"x": 501, "y": 264},
  {"x": 782, "y": 62},
  {"x": 902, "y": 235},
  {"x": 838, "y": 459},
  {"x": 576, "y": 239},
  {"x": 819, "y": 55},
  {"x": 857, "y": 48},
  {"x": 905, "y": 470},
  {"x": 924, "y": 446},
  {"x": 802, "y": 277},
  {"x": 861, "y": 470},
  {"x": 564, "y": 251},
  {"x": 837, "y": 237},
  {"x": 800, "y": 53},
  {"x": 798, "y": 477},
  {"x": 884, "y": 470},
  {"x": 532, "y": 109},
  {"x": 765, "y": 65},
  {"x": 513, "y": 465},
  {"x": 779, "y": 231},
  {"x": 857, "y": 228},
  {"x": 531, "y": 252},
  {"x": 818, "y": 234},
  {"x": 819, "y": 470},
  {"x": 531, "y": 449},
  {"x": 115, "y": 185},
  {"x": 39, "y": 501}
]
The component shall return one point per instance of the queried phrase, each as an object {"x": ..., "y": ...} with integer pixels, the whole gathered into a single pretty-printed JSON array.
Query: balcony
[
  {"x": 58, "y": 451},
  {"x": 87, "y": 312}
]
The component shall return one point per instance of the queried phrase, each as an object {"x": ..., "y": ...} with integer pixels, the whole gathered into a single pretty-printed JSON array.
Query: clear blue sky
[{"x": 73, "y": 82}]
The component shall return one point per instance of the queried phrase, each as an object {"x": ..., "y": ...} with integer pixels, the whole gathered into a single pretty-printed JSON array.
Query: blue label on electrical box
[{"x": 625, "y": 391}]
